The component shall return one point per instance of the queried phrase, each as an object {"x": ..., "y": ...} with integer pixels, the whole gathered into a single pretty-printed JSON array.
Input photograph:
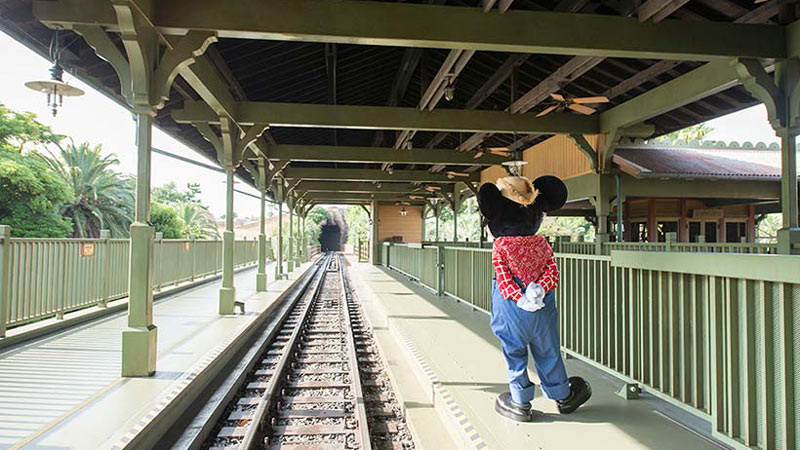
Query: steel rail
[
  {"x": 358, "y": 394},
  {"x": 254, "y": 437}
]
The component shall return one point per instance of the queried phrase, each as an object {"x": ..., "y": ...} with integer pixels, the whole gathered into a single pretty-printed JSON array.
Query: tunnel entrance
[
  {"x": 330, "y": 238},
  {"x": 333, "y": 232}
]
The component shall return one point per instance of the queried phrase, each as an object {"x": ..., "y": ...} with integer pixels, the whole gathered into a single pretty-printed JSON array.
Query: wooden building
[{"x": 708, "y": 191}]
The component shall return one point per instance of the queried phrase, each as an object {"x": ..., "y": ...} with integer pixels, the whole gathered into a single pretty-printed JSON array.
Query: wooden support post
[
  {"x": 683, "y": 223},
  {"x": 781, "y": 96},
  {"x": 261, "y": 275},
  {"x": 279, "y": 197},
  {"x": 290, "y": 256},
  {"x": 375, "y": 256},
  {"x": 105, "y": 274},
  {"x": 652, "y": 224},
  {"x": 5, "y": 275},
  {"x": 227, "y": 293}
]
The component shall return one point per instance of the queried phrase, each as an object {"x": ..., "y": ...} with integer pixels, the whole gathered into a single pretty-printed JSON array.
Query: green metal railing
[
  {"x": 561, "y": 245},
  {"x": 362, "y": 250},
  {"x": 41, "y": 278},
  {"x": 716, "y": 334}
]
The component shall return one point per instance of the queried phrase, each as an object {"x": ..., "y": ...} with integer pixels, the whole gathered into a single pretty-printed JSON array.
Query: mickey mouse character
[{"x": 524, "y": 313}]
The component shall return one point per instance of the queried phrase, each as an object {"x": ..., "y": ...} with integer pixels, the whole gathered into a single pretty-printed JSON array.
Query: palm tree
[
  {"x": 103, "y": 198},
  {"x": 197, "y": 220}
]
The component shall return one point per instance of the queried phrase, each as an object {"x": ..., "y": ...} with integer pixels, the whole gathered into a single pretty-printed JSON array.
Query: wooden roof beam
[
  {"x": 392, "y": 118},
  {"x": 428, "y": 26},
  {"x": 331, "y": 174},
  {"x": 363, "y": 186},
  {"x": 328, "y": 153}
]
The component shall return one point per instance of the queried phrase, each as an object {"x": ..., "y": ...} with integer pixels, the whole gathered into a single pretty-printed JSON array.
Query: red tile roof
[{"x": 699, "y": 162}]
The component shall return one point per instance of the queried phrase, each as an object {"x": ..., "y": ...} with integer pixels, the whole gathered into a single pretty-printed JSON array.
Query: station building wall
[
  {"x": 557, "y": 156},
  {"x": 393, "y": 226}
]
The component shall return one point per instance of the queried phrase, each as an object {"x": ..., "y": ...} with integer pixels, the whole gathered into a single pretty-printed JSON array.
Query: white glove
[{"x": 533, "y": 298}]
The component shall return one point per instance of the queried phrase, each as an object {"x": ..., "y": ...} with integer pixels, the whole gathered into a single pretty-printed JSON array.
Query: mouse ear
[{"x": 552, "y": 193}]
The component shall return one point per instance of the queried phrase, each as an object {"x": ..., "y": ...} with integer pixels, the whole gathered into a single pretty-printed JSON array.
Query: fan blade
[
  {"x": 500, "y": 149},
  {"x": 433, "y": 188},
  {"x": 547, "y": 110},
  {"x": 599, "y": 99},
  {"x": 457, "y": 174},
  {"x": 557, "y": 97},
  {"x": 506, "y": 154},
  {"x": 477, "y": 155},
  {"x": 581, "y": 109},
  {"x": 415, "y": 197}
]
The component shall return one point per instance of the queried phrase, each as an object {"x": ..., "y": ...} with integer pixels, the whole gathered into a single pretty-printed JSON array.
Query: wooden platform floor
[
  {"x": 64, "y": 391},
  {"x": 455, "y": 346}
]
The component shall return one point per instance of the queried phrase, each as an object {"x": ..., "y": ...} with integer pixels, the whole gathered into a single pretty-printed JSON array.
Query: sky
[{"x": 99, "y": 120}]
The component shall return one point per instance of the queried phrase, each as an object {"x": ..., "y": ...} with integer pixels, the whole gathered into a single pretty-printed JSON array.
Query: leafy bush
[{"x": 32, "y": 197}]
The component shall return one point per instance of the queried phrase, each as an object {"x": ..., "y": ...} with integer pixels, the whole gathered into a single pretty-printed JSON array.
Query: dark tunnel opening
[
  {"x": 333, "y": 232},
  {"x": 330, "y": 238}
]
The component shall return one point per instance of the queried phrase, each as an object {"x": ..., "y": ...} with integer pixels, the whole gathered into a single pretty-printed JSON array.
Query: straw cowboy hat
[{"x": 517, "y": 189}]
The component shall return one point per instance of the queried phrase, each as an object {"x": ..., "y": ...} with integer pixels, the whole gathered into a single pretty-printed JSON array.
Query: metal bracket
[{"x": 629, "y": 391}]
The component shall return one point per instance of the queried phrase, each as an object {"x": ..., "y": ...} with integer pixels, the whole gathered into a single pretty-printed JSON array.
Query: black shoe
[
  {"x": 579, "y": 393},
  {"x": 514, "y": 411}
]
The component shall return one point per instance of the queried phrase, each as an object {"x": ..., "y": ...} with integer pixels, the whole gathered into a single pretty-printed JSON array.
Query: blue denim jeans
[{"x": 520, "y": 331}]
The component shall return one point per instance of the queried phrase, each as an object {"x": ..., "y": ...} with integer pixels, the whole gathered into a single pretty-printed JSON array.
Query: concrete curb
[
  {"x": 457, "y": 423},
  {"x": 46, "y": 327},
  {"x": 157, "y": 422}
]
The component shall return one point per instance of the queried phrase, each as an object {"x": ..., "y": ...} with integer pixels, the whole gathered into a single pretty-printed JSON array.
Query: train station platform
[
  {"x": 458, "y": 363},
  {"x": 64, "y": 390}
]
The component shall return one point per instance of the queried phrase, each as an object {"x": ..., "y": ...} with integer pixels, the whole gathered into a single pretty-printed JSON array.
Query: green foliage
[
  {"x": 469, "y": 220},
  {"x": 21, "y": 131},
  {"x": 314, "y": 220},
  {"x": 357, "y": 224},
  {"x": 567, "y": 226},
  {"x": 767, "y": 228},
  {"x": 196, "y": 221},
  {"x": 103, "y": 198},
  {"x": 32, "y": 197},
  {"x": 169, "y": 194},
  {"x": 195, "y": 218},
  {"x": 165, "y": 220},
  {"x": 686, "y": 135}
]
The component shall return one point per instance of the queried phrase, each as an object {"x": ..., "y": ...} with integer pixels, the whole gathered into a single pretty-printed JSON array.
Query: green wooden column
[
  {"x": 5, "y": 278},
  {"x": 436, "y": 210},
  {"x": 140, "y": 338},
  {"x": 261, "y": 275},
  {"x": 455, "y": 204},
  {"x": 303, "y": 242},
  {"x": 227, "y": 293},
  {"x": 290, "y": 257},
  {"x": 781, "y": 96},
  {"x": 279, "y": 199},
  {"x": 376, "y": 245},
  {"x": 146, "y": 69},
  {"x": 424, "y": 220}
]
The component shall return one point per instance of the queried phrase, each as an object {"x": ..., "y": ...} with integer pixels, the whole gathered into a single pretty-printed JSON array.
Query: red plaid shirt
[{"x": 528, "y": 258}]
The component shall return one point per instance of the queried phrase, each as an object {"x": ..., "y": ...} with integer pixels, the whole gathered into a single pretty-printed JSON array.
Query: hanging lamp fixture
[{"x": 55, "y": 88}]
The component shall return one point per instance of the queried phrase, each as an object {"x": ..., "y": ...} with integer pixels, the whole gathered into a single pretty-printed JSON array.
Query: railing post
[
  {"x": 105, "y": 275},
  {"x": 158, "y": 252},
  {"x": 5, "y": 277},
  {"x": 192, "y": 257},
  {"x": 671, "y": 237},
  {"x": 440, "y": 268}
]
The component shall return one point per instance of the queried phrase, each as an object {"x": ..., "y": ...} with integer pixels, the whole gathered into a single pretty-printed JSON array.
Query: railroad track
[{"x": 304, "y": 391}]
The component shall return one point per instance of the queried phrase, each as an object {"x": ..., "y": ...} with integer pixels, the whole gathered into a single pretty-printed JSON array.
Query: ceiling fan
[
  {"x": 577, "y": 104},
  {"x": 499, "y": 151},
  {"x": 452, "y": 174}
]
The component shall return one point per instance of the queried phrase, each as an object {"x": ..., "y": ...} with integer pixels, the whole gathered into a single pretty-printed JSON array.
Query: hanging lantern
[{"x": 55, "y": 88}]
